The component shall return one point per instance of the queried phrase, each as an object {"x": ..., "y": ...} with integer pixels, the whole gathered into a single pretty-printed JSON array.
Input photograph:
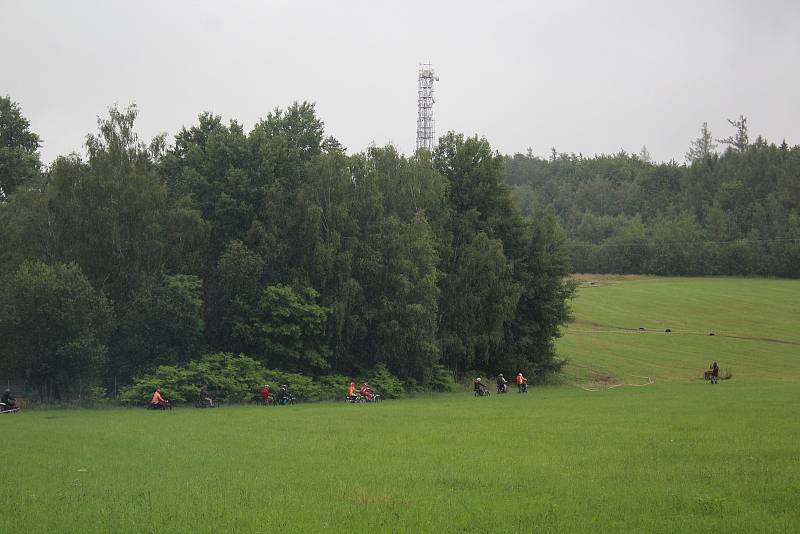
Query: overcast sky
[{"x": 581, "y": 76}]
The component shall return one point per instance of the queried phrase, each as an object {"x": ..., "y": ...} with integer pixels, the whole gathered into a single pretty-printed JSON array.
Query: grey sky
[{"x": 583, "y": 76}]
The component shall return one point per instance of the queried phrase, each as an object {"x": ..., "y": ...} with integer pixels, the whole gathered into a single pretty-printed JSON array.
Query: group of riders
[
  {"x": 205, "y": 400},
  {"x": 481, "y": 390},
  {"x": 265, "y": 396},
  {"x": 365, "y": 393},
  {"x": 284, "y": 397},
  {"x": 9, "y": 404}
]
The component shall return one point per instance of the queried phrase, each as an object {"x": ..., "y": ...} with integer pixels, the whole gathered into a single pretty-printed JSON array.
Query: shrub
[
  {"x": 384, "y": 382},
  {"x": 333, "y": 386},
  {"x": 229, "y": 378},
  {"x": 302, "y": 387},
  {"x": 442, "y": 379},
  {"x": 411, "y": 385}
]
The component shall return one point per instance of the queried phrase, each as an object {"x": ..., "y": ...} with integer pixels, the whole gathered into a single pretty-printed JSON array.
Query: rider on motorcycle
[
  {"x": 283, "y": 394},
  {"x": 158, "y": 401},
  {"x": 502, "y": 384},
  {"x": 478, "y": 386},
  {"x": 205, "y": 397},
  {"x": 266, "y": 396},
  {"x": 367, "y": 392},
  {"x": 522, "y": 382}
]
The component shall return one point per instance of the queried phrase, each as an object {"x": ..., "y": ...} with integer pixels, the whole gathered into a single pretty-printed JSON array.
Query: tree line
[
  {"x": 275, "y": 244},
  {"x": 729, "y": 212}
]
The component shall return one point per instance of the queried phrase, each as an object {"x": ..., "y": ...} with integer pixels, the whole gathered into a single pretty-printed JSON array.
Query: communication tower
[{"x": 426, "y": 131}]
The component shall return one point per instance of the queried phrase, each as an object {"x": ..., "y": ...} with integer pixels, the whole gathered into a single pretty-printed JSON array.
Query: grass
[
  {"x": 754, "y": 321},
  {"x": 678, "y": 455}
]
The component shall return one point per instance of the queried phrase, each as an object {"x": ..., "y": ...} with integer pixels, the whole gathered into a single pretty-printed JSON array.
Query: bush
[
  {"x": 411, "y": 385},
  {"x": 229, "y": 378},
  {"x": 384, "y": 382},
  {"x": 442, "y": 379},
  {"x": 302, "y": 387},
  {"x": 95, "y": 396},
  {"x": 327, "y": 387},
  {"x": 333, "y": 386}
]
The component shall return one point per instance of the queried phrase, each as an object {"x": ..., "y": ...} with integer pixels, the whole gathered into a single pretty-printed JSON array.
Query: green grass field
[
  {"x": 756, "y": 325},
  {"x": 676, "y": 455}
]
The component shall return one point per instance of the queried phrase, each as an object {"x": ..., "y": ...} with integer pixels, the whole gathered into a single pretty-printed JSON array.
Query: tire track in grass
[
  {"x": 649, "y": 381},
  {"x": 609, "y": 376},
  {"x": 624, "y": 330}
]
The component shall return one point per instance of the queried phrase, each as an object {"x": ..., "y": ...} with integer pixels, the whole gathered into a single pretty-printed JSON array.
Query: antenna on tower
[{"x": 426, "y": 130}]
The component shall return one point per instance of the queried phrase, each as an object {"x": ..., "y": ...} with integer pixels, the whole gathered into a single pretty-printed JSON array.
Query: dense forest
[
  {"x": 731, "y": 213},
  {"x": 275, "y": 244}
]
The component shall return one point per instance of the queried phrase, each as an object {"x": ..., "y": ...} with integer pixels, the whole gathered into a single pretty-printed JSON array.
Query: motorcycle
[{"x": 8, "y": 408}]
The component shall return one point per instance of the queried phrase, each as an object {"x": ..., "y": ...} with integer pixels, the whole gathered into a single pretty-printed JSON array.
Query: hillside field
[
  {"x": 632, "y": 440},
  {"x": 755, "y": 322}
]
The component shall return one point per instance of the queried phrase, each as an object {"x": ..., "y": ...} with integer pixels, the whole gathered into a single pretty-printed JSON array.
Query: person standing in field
[{"x": 714, "y": 372}]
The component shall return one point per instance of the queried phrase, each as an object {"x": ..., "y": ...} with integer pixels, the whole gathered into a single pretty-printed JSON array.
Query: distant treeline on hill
[
  {"x": 275, "y": 244},
  {"x": 734, "y": 213}
]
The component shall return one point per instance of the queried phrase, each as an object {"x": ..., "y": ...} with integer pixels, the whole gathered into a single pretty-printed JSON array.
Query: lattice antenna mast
[{"x": 426, "y": 125}]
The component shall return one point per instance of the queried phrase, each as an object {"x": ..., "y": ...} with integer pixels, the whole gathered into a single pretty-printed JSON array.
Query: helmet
[
  {"x": 501, "y": 374},
  {"x": 478, "y": 379}
]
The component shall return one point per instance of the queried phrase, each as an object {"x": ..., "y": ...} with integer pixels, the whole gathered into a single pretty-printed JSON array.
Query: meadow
[
  {"x": 755, "y": 322},
  {"x": 600, "y": 451}
]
